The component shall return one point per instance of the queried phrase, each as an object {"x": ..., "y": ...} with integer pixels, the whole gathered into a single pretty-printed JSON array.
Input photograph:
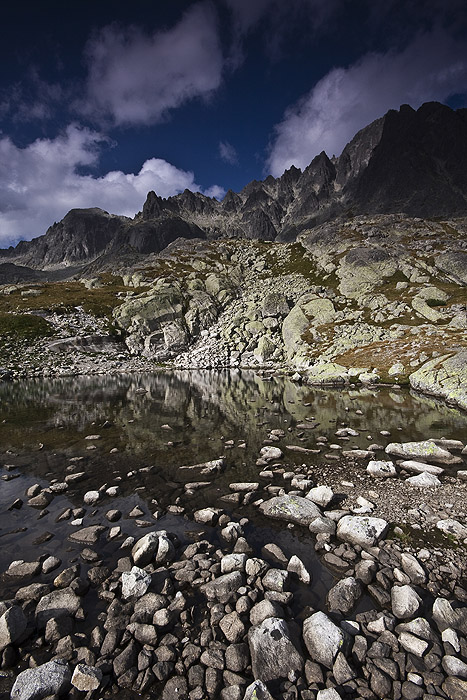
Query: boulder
[
  {"x": 321, "y": 495},
  {"x": 293, "y": 509},
  {"x": 153, "y": 547},
  {"x": 319, "y": 310},
  {"x": 323, "y": 639},
  {"x": 452, "y": 527},
  {"x": 232, "y": 627},
  {"x": 233, "y": 562},
  {"x": 13, "y": 623},
  {"x": 275, "y": 304},
  {"x": 265, "y": 349},
  {"x": 51, "y": 678},
  {"x": 380, "y": 468},
  {"x": 273, "y": 653},
  {"x": 405, "y": 602},
  {"x": 297, "y": 567},
  {"x": 135, "y": 583},
  {"x": 269, "y": 453},
  {"x": 344, "y": 596},
  {"x": 362, "y": 530},
  {"x": 86, "y": 678},
  {"x": 56, "y": 604},
  {"x": 87, "y": 535},
  {"x": 424, "y": 480},
  {"x": 454, "y": 264},
  {"x": 224, "y": 587},
  {"x": 257, "y": 691},
  {"x": 445, "y": 376},
  {"x": 411, "y": 465},
  {"x": 294, "y": 326},
  {"x": 455, "y": 688},
  {"x": 423, "y": 450},
  {"x": 327, "y": 373}
]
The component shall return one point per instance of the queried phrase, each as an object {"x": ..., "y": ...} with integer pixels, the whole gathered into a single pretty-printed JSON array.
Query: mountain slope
[{"x": 407, "y": 161}]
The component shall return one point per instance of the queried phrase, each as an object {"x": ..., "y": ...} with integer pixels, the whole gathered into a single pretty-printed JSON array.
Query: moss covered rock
[{"x": 445, "y": 376}]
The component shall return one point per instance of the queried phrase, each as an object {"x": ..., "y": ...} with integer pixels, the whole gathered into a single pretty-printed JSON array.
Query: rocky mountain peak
[{"x": 409, "y": 161}]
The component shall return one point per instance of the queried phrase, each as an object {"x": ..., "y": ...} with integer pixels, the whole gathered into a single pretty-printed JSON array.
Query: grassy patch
[
  {"x": 63, "y": 296},
  {"x": 24, "y": 327},
  {"x": 385, "y": 353}
]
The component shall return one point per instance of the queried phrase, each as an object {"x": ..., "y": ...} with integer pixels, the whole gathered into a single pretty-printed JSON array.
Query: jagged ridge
[{"x": 407, "y": 161}]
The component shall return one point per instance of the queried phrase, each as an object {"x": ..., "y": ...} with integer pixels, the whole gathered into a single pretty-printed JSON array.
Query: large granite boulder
[
  {"x": 51, "y": 678},
  {"x": 273, "y": 653},
  {"x": 327, "y": 373},
  {"x": 361, "y": 530},
  {"x": 422, "y": 450},
  {"x": 363, "y": 268},
  {"x": 445, "y": 376},
  {"x": 293, "y": 509},
  {"x": 454, "y": 264},
  {"x": 294, "y": 326},
  {"x": 323, "y": 639}
]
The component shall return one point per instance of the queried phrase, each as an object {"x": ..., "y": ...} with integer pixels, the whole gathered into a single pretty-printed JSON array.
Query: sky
[{"x": 101, "y": 102}]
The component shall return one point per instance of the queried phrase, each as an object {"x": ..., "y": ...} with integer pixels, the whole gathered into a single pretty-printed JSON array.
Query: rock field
[{"x": 214, "y": 618}]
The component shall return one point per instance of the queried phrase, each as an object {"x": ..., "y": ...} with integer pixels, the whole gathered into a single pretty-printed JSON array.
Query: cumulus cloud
[
  {"x": 228, "y": 153},
  {"x": 40, "y": 183},
  {"x": 432, "y": 67},
  {"x": 136, "y": 78}
]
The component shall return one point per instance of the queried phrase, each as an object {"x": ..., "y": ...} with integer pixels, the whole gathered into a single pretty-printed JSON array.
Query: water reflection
[
  {"x": 146, "y": 426},
  {"x": 201, "y": 407}
]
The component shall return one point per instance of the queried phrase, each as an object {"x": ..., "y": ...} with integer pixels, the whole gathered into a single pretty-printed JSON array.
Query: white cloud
[
  {"x": 40, "y": 183},
  {"x": 228, "y": 153},
  {"x": 136, "y": 78},
  {"x": 432, "y": 67}
]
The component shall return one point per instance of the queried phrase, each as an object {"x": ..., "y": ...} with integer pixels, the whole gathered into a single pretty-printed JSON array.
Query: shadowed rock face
[{"x": 407, "y": 161}]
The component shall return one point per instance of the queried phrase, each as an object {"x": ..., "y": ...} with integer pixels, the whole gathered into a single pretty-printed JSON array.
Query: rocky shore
[{"x": 150, "y": 614}]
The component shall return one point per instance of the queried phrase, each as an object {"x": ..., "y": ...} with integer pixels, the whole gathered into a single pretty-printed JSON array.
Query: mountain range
[{"x": 408, "y": 161}]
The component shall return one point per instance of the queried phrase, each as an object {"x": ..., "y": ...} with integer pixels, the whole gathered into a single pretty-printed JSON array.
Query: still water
[{"x": 147, "y": 426}]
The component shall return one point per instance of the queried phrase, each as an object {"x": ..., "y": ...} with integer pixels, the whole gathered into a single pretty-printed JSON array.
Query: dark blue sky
[{"x": 102, "y": 101}]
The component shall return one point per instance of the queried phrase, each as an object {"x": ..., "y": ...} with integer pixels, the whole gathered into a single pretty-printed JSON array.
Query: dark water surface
[{"x": 157, "y": 423}]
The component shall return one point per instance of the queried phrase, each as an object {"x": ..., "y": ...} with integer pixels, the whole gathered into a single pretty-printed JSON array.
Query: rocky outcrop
[{"x": 445, "y": 376}]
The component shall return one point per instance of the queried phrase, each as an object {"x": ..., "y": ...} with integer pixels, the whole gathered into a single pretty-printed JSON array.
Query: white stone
[
  {"x": 405, "y": 602},
  {"x": 454, "y": 666},
  {"x": 135, "y": 583},
  {"x": 381, "y": 468},
  {"x": 322, "y": 638},
  {"x": 450, "y": 636},
  {"x": 328, "y": 694},
  {"x": 411, "y": 465},
  {"x": 412, "y": 644},
  {"x": 297, "y": 567},
  {"x": 362, "y": 530},
  {"x": 424, "y": 481},
  {"x": 452, "y": 527},
  {"x": 86, "y": 678},
  {"x": 268, "y": 453},
  {"x": 321, "y": 495},
  {"x": 91, "y": 497}
]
